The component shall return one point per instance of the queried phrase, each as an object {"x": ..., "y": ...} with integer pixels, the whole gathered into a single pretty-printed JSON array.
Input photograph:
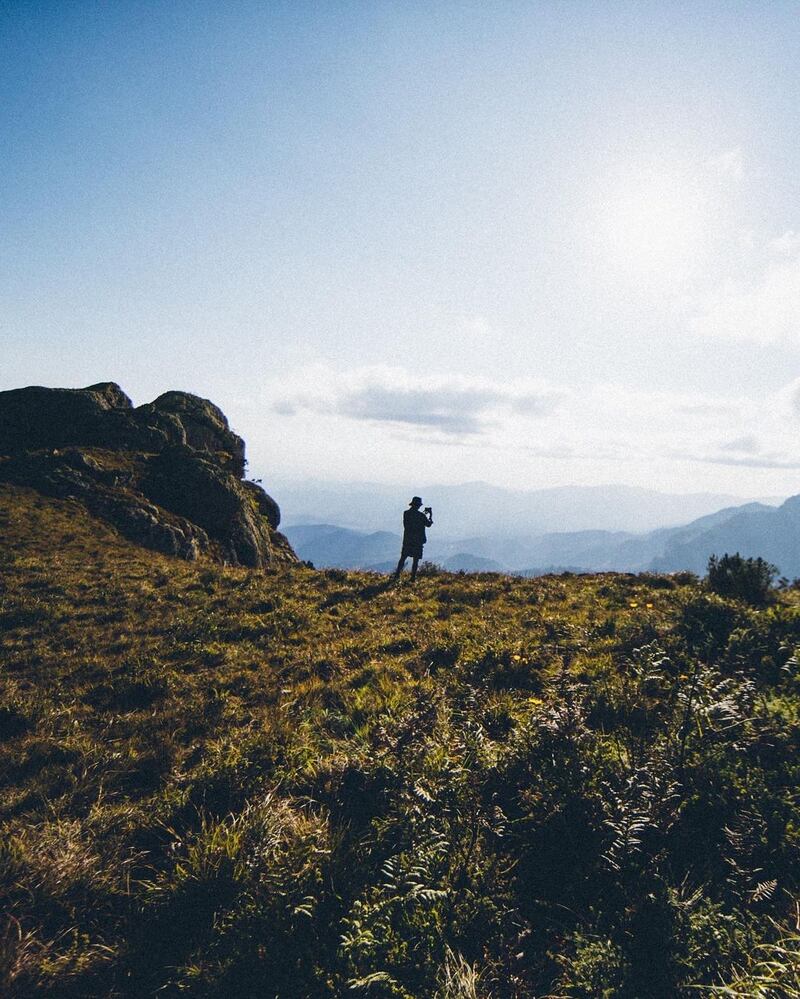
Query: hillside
[{"x": 219, "y": 781}]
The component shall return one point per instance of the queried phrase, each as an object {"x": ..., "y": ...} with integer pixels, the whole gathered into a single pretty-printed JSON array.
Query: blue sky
[{"x": 533, "y": 243}]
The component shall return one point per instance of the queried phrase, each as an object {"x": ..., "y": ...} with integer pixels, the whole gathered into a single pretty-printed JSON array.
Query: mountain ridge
[
  {"x": 466, "y": 509},
  {"x": 752, "y": 529}
]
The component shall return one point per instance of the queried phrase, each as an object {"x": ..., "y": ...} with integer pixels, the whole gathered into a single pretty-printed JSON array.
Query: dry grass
[{"x": 167, "y": 726}]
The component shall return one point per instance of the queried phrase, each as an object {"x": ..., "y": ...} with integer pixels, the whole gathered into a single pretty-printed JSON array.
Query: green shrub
[
  {"x": 707, "y": 621},
  {"x": 747, "y": 579}
]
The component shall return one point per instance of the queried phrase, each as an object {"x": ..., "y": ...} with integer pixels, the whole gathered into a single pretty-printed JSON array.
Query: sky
[{"x": 533, "y": 244}]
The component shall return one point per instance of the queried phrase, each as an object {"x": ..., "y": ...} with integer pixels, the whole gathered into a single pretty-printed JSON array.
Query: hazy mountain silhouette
[
  {"x": 465, "y": 562},
  {"x": 751, "y": 529},
  {"x": 628, "y": 552},
  {"x": 329, "y": 546},
  {"x": 466, "y": 510}
]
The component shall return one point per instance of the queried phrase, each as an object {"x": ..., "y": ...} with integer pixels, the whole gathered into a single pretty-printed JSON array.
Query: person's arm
[{"x": 429, "y": 519}]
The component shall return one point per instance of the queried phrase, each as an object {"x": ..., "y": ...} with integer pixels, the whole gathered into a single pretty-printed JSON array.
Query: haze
[{"x": 532, "y": 244}]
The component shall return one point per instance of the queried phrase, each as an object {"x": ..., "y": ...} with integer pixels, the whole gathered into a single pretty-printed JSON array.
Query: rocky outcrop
[
  {"x": 191, "y": 485},
  {"x": 107, "y": 493},
  {"x": 103, "y": 416},
  {"x": 37, "y": 417},
  {"x": 204, "y": 425},
  {"x": 167, "y": 474}
]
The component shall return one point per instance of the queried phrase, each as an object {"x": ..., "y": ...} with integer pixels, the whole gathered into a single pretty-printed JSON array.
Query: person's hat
[{"x": 415, "y": 501}]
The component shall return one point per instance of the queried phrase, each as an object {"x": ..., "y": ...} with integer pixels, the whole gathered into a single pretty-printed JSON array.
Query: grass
[{"x": 221, "y": 782}]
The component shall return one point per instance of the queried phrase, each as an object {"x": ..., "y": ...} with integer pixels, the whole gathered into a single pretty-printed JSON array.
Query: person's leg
[
  {"x": 400, "y": 565},
  {"x": 414, "y": 564}
]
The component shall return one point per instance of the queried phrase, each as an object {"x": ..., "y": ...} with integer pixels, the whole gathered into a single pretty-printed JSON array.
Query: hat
[{"x": 415, "y": 501}]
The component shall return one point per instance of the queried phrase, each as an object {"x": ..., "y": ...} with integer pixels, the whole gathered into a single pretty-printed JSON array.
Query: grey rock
[
  {"x": 265, "y": 504},
  {"x": 72, "y": 474},
  {"x": 167, "y": 474}
]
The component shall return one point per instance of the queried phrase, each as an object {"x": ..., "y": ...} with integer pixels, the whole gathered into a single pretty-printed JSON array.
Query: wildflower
[
  {"x": 648, "y": 605},
  {"x": 633, "y": 603},
  {"x": 516, "y": 658}
]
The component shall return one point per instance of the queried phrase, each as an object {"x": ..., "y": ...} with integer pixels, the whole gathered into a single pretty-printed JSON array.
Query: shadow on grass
[{"x": 363, "y": 593}]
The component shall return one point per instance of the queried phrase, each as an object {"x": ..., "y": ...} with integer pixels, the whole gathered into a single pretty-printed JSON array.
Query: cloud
[
  {"x": 451, "y": 405},
  {"x": 743, "y": 445},
  {"x": 784, "y": 405},
  {"x": 529, "y": 425},
  {"x": 765, "y": 311},
  {"x": 773, "y": 446},
  {"x": 786, "y": 245},
  {"x": 452, "y": 409},
  {"x": 722, "y": 459},
  {"x": 708, "y": 408},
  {"x": 728, "y": 164}
]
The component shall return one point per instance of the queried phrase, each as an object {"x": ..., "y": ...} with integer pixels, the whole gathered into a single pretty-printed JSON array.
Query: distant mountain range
[
  {"x": 752, "y": 529},
  {"x": 476, "y": 509},
  {"x": 329, "y": 546}
]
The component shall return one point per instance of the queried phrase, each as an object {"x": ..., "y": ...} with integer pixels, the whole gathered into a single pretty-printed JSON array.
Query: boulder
[
  {"x": 186, "y": 482},
  {"x": 168, "y": 474},
  {"x": 37, "y": 417},
  {"x": 110, "y": 393},
  {"x": 265, "y": 504},
  {"x": 74, "y": 474},
  {"x": 205, "y": 427},
  {"x": 98, "y": 416}
]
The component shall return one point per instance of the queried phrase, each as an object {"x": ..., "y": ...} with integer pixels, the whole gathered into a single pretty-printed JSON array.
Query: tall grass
[{"x": 217, "y": 782}]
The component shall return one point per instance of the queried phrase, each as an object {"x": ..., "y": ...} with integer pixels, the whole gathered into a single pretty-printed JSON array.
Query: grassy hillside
[{"x": 225, "y": 782}]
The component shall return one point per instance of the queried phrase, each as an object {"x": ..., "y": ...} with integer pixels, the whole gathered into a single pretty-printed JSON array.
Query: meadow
[{"x": 297, "y": 783}]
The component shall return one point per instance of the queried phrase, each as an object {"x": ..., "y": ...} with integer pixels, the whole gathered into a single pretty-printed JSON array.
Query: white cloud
[
  {"x": 767, "y": 310},
  {"x": 745, "y": 462},
  {"x": 728, "y": 164},
  {"x": 452, "y": 404},
  {"x": 786, "y": 403},
  {"x": 786, "y": 245},
  {"x": 748, "y": 444},
  {"x": 473, "y": 424}
]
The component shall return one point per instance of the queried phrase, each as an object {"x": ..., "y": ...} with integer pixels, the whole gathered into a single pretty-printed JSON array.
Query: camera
[{"x": 428, "y": 510}]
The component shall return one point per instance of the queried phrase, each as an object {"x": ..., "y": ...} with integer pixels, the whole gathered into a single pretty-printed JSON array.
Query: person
[{"x": 414, "y": 523}]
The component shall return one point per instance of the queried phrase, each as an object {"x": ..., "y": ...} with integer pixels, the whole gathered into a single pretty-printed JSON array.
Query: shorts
[{"x": 411, "y": 550}]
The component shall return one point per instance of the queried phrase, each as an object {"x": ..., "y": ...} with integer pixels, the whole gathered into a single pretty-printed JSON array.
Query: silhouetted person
[{"x": 414, "y": 523}]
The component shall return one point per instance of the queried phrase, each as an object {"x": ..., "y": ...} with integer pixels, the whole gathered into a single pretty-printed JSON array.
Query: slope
[{"x": 219, "y": 781}]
